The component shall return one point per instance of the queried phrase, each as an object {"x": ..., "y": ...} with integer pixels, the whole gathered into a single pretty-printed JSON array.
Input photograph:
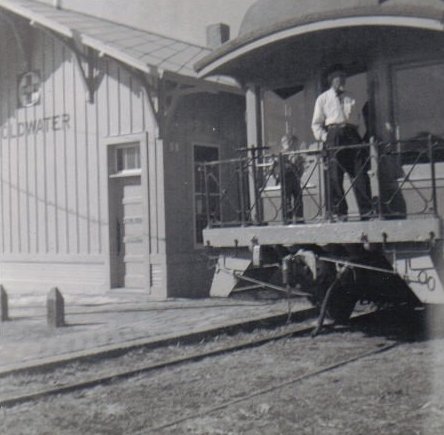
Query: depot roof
[{"x": 140, "y": 49}]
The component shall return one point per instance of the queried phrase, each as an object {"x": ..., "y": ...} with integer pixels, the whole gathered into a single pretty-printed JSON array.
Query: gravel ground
[{"x": 399, "y": 391}]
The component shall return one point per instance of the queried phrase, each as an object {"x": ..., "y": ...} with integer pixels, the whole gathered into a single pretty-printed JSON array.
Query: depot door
[
  {"x": 132, "y": 233},
  {"x": 126, "y": 220}
]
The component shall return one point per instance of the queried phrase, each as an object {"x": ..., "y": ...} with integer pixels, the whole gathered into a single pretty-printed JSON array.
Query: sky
[{"x": 181, "y": 19}]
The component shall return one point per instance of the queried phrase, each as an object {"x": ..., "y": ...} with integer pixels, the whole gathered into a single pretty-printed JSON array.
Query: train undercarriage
[
  {"x": 338, "y": 275},
  {"x": 383, "y": 259}
]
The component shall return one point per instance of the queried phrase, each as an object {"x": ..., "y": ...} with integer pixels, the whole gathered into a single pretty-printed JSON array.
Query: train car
[{"x": 392, "y": 54}]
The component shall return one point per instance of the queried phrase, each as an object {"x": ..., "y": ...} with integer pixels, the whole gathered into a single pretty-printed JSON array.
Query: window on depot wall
[{"x": 205, "y": 208}]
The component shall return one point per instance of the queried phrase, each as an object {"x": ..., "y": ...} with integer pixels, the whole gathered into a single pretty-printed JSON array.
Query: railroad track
[
  {"x": 302, "y": 328},
  {"x": 269, "y": 389},
  {"x": 123, "y": 348}
]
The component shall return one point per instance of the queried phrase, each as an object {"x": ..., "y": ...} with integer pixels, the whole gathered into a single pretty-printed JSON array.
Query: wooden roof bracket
[
  {"x": 87, "y": 61},
  {"x": 150, "y": 83},
  {"x": 171, "y": 94},
  {"x": 164, "y": 96},
  {"x": 173, "y": 87}
]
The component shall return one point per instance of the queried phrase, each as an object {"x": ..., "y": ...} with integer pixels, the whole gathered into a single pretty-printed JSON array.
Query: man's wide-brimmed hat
[{"x": 336, "y": 71}]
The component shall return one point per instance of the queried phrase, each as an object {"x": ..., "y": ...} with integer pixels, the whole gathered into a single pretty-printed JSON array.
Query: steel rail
[
  {"x": 304, "y": 327},
  {"x": 117, "y": 349},
  {"x": 275, "y": 387}
]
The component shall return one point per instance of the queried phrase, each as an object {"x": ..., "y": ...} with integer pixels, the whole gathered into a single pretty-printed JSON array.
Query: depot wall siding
[
  {"x": 53, "y": 181},
  {"x": 206, "y": 120}
]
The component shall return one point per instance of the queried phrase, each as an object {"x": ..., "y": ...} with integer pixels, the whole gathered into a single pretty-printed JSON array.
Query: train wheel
[
  {"x": 341, "y": 303},
  {"x": 341, "y": 298}
]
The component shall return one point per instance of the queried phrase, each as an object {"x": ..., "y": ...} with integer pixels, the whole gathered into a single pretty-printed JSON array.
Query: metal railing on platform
[{"x": 354, "y": 182}]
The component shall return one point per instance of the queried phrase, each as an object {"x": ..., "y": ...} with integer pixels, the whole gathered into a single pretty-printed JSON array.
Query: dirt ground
[{"x": 399, "y": 391}]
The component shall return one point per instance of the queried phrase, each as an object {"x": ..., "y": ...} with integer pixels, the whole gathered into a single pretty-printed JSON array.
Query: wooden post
[
  {"x": 3, "y": 305},
  {"x": 55, "y": 305}
]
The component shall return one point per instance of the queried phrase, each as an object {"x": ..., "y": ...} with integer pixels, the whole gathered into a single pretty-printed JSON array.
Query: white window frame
[{"x": 115, "y": 172}]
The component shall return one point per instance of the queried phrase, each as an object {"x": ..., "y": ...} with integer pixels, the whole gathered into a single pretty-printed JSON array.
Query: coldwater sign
[{"x": 40, "y": 125}]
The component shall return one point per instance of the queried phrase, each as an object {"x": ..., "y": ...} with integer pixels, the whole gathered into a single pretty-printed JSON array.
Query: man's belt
[{"x": 339, "y": 126}]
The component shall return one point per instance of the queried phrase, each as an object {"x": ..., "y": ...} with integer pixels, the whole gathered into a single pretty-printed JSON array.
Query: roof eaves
[
  {"x": 105, "y": 49},
  {"x": 170, "y": 64},
  {"x": 39, "y": 20},
  {"x": 36, "y": 18},
  {"x": 211, "y": 84}
]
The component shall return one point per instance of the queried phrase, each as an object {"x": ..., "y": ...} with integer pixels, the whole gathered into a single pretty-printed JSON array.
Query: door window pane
[
  {"x": 127, "y": 158},
  {"x": 419, "y": 105}
]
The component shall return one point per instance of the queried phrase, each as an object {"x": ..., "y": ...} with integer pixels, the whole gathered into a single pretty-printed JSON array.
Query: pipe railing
[{"x": 295, "y": 187}]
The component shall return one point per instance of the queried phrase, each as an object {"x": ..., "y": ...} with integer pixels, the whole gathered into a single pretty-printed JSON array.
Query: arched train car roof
[{"x": 269, "y": 22}]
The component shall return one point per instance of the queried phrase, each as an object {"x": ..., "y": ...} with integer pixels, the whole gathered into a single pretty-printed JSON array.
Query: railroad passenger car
[{"x": 392, "y": 52}]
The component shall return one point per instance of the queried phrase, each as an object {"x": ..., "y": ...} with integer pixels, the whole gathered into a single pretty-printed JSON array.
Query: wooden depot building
[{"x": 101, "y": 129}]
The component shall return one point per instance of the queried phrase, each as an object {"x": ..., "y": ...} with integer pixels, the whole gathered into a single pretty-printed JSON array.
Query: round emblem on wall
[{"x": 29, "y": 89}]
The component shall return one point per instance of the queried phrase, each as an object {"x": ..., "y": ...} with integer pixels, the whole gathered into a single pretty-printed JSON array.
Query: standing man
[{"x": 335, "y": 122}]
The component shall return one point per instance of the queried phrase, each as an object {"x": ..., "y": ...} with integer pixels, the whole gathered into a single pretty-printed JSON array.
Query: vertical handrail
[
  {"x": 207, "y": 196},
  {"x": 374, "y": 163},
  {"x": 326, "y": 159},
  {"x": 432, "y": 171},
  {"x": 241, "y": 192},
  {"x": 398, "y": 146},
  {"x": 220, "y": 194},
  {"x": 251, "y": 165},
  {"x": 257, "y": 205},
  {"x": 283, "y": 189},
  {"x": 258, "y": 183},
  {"x": 320, "y": 162}
]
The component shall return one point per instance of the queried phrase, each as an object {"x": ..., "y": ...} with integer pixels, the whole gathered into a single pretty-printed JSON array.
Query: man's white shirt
[{"x": 331, "y": 109}]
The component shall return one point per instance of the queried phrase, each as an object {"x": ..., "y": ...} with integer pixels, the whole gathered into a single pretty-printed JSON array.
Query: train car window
[
  {"x": 419, "y": 99},
  {"x": 419, "y": 106}
]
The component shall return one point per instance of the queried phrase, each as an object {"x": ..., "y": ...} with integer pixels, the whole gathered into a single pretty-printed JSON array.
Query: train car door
[{"x": 418, "y": 113}]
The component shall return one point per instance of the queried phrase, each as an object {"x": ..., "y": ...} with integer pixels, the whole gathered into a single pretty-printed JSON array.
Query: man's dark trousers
[{"x": 353, "y": 161}]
